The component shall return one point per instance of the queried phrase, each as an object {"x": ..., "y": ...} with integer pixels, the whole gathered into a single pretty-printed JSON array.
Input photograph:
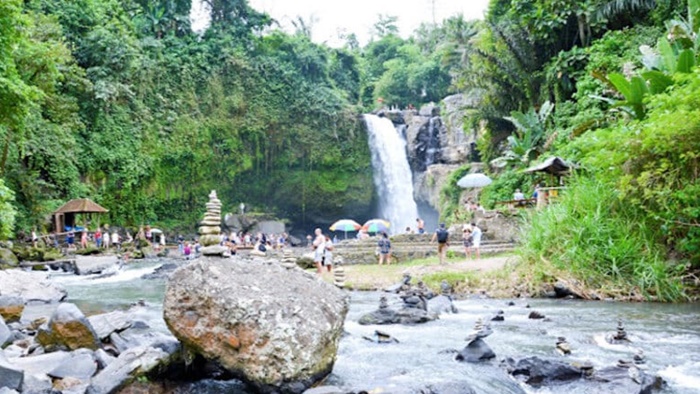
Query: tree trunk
[{"x": 5, "y": 151}]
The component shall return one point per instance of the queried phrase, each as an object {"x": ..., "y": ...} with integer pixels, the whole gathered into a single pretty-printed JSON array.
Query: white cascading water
[{"x": 392, "y": 174}]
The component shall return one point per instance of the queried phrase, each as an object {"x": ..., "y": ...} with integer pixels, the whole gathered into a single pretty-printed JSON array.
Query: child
[{"x": 467, "y": 240}]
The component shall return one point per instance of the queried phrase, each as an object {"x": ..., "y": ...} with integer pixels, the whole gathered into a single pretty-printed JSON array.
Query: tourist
[
  {"x": 34, "y": 237},
  {"x": 187, "y": 250},
  {"x": 84, "y": 240},
  {"x": 282, "y": 241},
  {"x": 180, "y": 244},
  {"x": 518, "y": 195},
  {"x": 328, "y": 254},
  {"x": 54, "y": 239},
  {"x": 318, "y": 247},
  {"x": 420, "y": 226},
  {"x": 116, "y": 240},
  {"x": 106, "y": 239},
  {"x": 70, "y": 238},
  {"x": 467, "y": 241},
  {"x": 129, "y": 238},
  {"x": 98, "y": 238},
  {"x": 409, "y": 230},
  {"x": 442, "y": 237},
  {"x": 384, "y": 245},
  {"x": 148, "y": 233},
  {"x": 197, "y": 247},
  {"x": 476, "y": 239}
]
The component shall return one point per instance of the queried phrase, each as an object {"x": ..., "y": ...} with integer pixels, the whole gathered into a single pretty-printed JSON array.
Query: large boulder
[
  {"x": 107, "y": 323},
  {"x": 276, "y": 328},
  {"x": 30, "y": 286},
  {"x": 68, "y": 328},
  {"x": 8, "y": 259},
  {"x": 536, "y": 371},
  {"x": 86, "y": 265},
  {"x": 11, "y": 308}
]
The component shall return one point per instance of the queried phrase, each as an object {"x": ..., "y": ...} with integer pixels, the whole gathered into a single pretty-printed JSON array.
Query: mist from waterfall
[{"x": 392, "y": 174}]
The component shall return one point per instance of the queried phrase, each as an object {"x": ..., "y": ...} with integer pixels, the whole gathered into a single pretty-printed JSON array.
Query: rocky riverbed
[{"x": 125, "y": 313}]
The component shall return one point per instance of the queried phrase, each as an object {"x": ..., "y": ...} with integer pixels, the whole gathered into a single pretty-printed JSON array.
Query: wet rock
[
  {"x": 498, "y": 317},
  {"x": 441, "y": 304},
  {"x": 38, "y": 384},
  {"x": 103, "y": 358},
  {"x": 276, "y": 328},
  {"x": 563, "y": 290},
  {"x": 30, "y": 287},
  {"x": 620, "y": 380},
  {"x": 68, "y": 328},
  {"x": 381, "y": 337},
  {"x": 447, "y": 388},
  {"x": 88, "y": 265},
  {"x": 8, "y": 259},
  {"x": 383, "y": 315},
  {"x": 129, "y": 365},
  {"x": 562, "y": 346},
  {"x": 510, "y": 303},
  {"x": 79, "y": 365},
  {"x": 535, "y": 315},
  {"x": 107, "y": 323},
  {"x": 477, "y": 350},
  {"x": 6, "y": 336},
  {"x": 404, "y": 285},
  {"x": 10, "y": 376},
  {"x": 536, "y": 371},
  {"x": 639, "y": 357},
  {"x": 11, "y": 308}
]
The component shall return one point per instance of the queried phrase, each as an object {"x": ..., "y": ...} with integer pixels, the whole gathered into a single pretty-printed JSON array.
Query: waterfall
[{"x": 392, "y": 175}]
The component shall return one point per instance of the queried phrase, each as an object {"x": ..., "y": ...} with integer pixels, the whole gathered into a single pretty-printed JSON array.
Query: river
[{"x": 668, "y": 334}]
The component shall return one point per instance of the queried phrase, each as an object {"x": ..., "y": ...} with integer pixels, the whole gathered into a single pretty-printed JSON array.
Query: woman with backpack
[{"x": 384, "y": 249}]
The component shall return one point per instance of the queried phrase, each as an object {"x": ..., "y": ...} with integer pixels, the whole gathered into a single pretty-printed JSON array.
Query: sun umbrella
[
  {"x": 376, "y": 226},
  {"x": 345, "y": 225},
  {"x": 474, "y": 180}
]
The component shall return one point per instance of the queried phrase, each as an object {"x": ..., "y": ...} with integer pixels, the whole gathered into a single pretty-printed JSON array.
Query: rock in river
[
  {"x": 68, "y": 328},
  {"x": 30, "y": 286},
  {"x": 277, "y": 329}
]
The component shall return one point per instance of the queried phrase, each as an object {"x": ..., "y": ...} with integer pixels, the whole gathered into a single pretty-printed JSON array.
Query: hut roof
[
  {"x": 81, "y": 205},
  {"x": 553, "y": 165}
]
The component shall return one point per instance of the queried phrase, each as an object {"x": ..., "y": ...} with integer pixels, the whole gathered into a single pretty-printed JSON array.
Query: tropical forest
[{"x": 122, "y": 102}]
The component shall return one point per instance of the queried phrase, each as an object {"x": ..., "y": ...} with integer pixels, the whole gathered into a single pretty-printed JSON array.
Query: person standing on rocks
[
  {"x": 84, "y": 239},
  {"x": 441, "y": 236},
  {"x": 420, "y": 226},
  {"x": 468, "y": 242},
  {"x": 476, "y": 239},
  {"x": 384, "y": 245},
  {"x": 328, "y": 254},
  {"x": 318, "y": 246}
]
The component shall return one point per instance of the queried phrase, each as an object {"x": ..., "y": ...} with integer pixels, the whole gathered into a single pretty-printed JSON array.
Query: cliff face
[{"x": 437, "y": 143}]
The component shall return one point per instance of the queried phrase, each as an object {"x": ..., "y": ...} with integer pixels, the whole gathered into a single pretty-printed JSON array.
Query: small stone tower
[{"x": 210, "y": 228}]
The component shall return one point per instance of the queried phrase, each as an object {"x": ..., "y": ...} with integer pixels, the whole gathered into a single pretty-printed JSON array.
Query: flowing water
[
  {"x": 392, "y": 174},
  {"x": 669, "y": 336}
]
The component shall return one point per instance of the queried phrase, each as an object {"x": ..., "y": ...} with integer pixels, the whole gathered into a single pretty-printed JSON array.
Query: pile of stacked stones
[
  {"x": 339, "y": 273},
  {"x": 288, "y": 259},
  {"x": 210, "y": 228}
]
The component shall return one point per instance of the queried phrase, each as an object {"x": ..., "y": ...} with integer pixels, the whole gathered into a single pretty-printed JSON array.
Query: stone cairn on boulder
[
  {"x": 477, "y": 350},
  {"x": 339, "y": 273},
  {"x": 620, "y": 336},
  {"x": 210, "y": 228},
  {"x": 443, "y": 302},
  {"x": 288, "y": 259}
]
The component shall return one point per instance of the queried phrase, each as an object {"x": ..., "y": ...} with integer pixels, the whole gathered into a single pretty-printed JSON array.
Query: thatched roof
[
  {"x": 553, "y": 165},
  {"x": 80, "y": 205}
]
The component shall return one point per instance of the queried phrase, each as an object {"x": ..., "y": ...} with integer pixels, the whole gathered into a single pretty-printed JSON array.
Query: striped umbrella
[
  {"x": 345, "y": 225},
  {"x": 376, "y": 226}
]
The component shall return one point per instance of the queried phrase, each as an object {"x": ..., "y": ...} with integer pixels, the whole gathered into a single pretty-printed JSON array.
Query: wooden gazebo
[{"x": 65, "y": 215}]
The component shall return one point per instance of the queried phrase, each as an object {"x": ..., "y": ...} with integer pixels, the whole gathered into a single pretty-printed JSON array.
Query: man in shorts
[
  {"x": 318, "y": 245},
  {"x": 476, "y": 239},
  {"x": 442, "y": 237}
]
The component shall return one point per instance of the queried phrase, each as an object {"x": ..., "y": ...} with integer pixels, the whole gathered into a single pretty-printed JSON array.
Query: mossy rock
[
  {"x": 87, "y": 251},
  {"x": 39, "y": 267},
  {"x": 137, "y": 254},
  {"x": 52, "y": 255},
  {"x": 29, "y": 253},
  {"x": 8, "y": 259}
]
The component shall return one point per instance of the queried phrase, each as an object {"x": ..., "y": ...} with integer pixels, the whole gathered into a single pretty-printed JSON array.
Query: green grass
[{"x": 590, "y": 236}]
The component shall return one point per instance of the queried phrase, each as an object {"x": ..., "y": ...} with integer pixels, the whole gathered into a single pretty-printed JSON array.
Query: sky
[{"x": 333, "y": 17}]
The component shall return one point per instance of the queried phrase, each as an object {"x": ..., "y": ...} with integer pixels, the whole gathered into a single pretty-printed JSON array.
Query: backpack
[{"x": 442, "y": 236}]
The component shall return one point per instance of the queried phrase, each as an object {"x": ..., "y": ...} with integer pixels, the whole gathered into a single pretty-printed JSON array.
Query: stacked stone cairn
[
  {"x": 288, "y": 259},
  {"x": 210, "y": 228},
  {"x": 620, "y": 335},
  {"x": 339, "y": 273},
  {"x": 477, "y": 350}
]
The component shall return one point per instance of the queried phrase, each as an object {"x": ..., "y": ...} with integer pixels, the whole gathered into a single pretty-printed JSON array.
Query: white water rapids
[{"x": 392, "y": 174}]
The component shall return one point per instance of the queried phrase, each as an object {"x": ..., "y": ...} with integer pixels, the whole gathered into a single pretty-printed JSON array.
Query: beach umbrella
[
  {"x": 376, "y": 226},
  {"x": 474, "y": 181},
  {"x": 345, "y": 225}
]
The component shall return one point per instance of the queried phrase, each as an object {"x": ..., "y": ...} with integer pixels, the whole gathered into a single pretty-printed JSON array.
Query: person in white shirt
[{"x": 476, "y": 239}]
